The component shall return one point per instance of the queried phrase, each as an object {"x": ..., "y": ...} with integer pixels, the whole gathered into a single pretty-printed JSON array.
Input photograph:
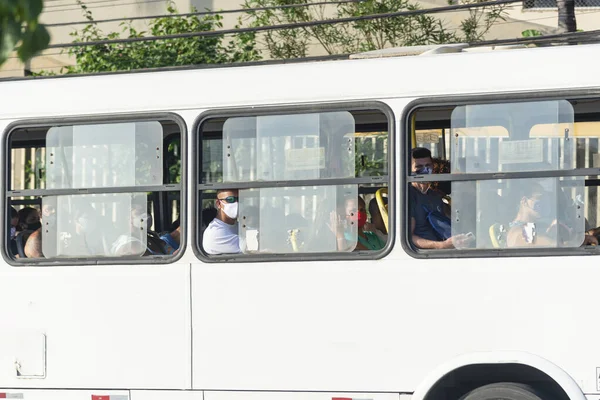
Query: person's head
[
  {"x": 139, "y": 215},
  {"x": 227, "y": 205},
  {"x": 356, "y": 211},
  {"x": 535, "y": 203},
  {"x": 29, "y": 219},
  {"x": 85, "y": 221},
  {"x": 376, "y": 217},
  {"x": 421, "y": 164}
]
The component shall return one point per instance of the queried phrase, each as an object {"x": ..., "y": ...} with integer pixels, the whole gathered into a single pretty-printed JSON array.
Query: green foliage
[
  {"x": 362, "y": 35},
  {"x": 159, "y": 53},
  {"x": 371, "y": 155},
  {"x": 20, "y": 30},
  {"x": 531, "y": 33}
]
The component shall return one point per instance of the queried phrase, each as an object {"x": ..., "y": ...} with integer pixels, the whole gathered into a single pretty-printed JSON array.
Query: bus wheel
[{"x": 505, "y": 391}]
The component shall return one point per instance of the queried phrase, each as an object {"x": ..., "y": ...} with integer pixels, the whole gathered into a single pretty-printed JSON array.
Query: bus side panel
[{"x": 103, "y": 326}]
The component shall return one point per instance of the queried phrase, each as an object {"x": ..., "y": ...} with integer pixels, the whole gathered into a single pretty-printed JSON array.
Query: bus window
[
  {"x": 517, "y": 178},
  {"x": 102, "y": 190},
  {"x": 290, "y": 183}
]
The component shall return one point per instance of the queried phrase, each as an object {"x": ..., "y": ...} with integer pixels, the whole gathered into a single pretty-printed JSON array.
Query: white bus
[{"x": 94, "y": 306}]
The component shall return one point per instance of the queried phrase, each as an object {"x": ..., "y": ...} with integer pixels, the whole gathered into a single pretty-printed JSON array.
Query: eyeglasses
[{"x": 230, "y": 199}]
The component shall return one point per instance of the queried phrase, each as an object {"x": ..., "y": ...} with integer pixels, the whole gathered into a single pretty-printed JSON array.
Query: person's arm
[
  {"x": 423, "y": 243},
  {"x": 33, "y": 245}
]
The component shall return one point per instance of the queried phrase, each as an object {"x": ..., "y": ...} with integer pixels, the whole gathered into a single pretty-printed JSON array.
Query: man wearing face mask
[
  {"x": 423, "y": 201},
  {"x": 221, "y": 235}
]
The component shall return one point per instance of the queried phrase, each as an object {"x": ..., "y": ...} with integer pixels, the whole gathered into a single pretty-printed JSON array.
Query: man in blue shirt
[{"x": 422, "y": 201}]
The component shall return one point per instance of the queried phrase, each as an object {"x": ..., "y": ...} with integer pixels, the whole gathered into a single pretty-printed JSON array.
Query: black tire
[{"x": 505, "y": 391}]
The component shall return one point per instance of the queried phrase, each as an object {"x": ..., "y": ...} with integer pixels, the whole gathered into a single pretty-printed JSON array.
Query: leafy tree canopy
[
  {"x": 362, "y": 35},
  {"x": 20, "y": 30},
  {"x": 159, "y": 53}
]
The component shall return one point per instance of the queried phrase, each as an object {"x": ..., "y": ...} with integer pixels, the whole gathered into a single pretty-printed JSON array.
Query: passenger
[
  {"x": 131, "y": 244},
  {"x": 366, "y": 240},
  {"x": 426, "y": 205},
  {"x": 29, "y": 219},
  {"x": 83, "y": 238},
  {"x": 14, "y": 222},
  {"x": 527, "y": 229},
  {"x": 33, "y": 245},
  {"x": 441, "y": 167},
  {"x": 377, "y": 224},
  {"x": 173, "y": 238},
  {"x": 221, "y": 236}
]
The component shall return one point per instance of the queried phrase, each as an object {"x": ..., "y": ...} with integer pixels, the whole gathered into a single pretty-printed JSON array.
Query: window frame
[
  {"x": 250, "y": 111},
  {"x": 5, "y": 150},
  {"x": 462, "y": 100}
]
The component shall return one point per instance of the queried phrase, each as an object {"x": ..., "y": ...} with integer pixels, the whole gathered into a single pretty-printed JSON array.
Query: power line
[
  {"x": 288, "y": 26},
  {"x": 110, "y": 5},
  {"x": 88, "y": 4},
  {"x": 239, "y": 10}
]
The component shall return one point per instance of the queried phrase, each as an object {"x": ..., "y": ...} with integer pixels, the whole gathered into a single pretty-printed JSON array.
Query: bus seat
[
  {"x": 20, "y": 240},
  {"x": 498, "y": 235},
  {"x": 383, "y": 207}
]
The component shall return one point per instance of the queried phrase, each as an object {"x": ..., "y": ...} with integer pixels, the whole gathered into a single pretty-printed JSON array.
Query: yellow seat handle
[{"x": 383, "y": 208}]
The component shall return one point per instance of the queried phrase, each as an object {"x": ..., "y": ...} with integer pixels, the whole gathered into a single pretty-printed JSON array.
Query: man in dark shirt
[{"x": 422, "y": 200}]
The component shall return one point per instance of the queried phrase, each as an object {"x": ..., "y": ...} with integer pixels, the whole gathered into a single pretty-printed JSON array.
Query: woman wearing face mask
[
  {"x": 221, "y": 236},
  {"x": 366, "y": 240}
]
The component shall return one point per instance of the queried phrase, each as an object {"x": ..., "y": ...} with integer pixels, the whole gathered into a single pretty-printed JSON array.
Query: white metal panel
[
  {"x": 167, "y": 395},
  {"x": 106, "y": 327},
  {"x": 386, "y": 324}
]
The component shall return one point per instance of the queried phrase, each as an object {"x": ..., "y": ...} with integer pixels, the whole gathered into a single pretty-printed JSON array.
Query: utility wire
[
  {"x": 239, "y": 10},
  {"x": 109, "y": 5},
  {"x": 88, "y": 4},
  {"x": 288, "y": 26}
]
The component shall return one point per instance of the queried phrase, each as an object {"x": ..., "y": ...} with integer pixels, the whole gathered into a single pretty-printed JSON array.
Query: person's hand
[
  {"x": 369, "y": 227},
  {"x": 462, "y": 240},
  {"x": 335, "y": 223},
  {"x": 590, "y": 240}
]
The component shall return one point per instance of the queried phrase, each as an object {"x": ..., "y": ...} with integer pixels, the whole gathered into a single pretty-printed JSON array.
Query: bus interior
[
  {"x": 93, "y": 184},
  {"x": 489, "y": 155}
]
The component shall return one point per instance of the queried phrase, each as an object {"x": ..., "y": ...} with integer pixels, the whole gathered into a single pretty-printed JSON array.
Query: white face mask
[{"x": 231, "y": 210}]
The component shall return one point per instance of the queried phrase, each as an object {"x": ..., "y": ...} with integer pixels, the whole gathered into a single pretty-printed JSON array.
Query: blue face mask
[
  {"x": 424, "y": 171},
  {"x": 542, "y": 207}
]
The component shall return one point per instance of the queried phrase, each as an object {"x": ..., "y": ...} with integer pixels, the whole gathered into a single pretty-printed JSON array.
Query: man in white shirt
[{"x": 221, "y": 235}]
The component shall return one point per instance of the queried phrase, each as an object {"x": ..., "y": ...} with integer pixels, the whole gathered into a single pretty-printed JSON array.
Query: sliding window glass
[
  {"x": 519, "y": 177},
  {"x": 284, "y": 183},
  {"x": 94, "y": 191}
]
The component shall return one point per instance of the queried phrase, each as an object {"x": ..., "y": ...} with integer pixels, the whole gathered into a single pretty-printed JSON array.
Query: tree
[
  {"x": 20, "y": 30},
  {"x": 566, "y": 15},
  {"x": 361, "y": 35},
  {"x": 158, "y": 53}
]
